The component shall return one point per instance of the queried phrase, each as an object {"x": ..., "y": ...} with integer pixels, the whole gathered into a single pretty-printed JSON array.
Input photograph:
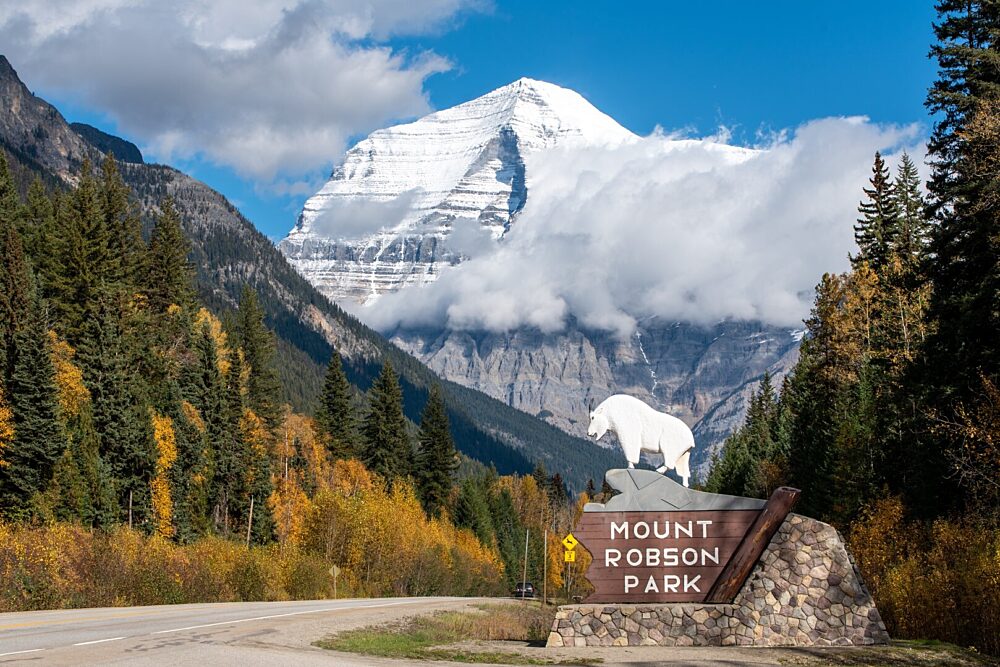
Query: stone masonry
[{"x": 805, "y": 591}]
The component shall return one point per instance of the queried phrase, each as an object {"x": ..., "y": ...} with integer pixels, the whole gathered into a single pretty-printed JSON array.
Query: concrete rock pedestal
[{"x": 804, "y": 591}]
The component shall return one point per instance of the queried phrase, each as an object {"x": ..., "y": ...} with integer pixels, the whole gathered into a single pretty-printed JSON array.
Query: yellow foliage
[
  {"x": 192, "y": 415},
  {"x": 218, "y": 336},
  {"x": 290, "y": 507},
  {"x": 73, "y": 394},
  {"x": 386, "y": 545},
  {"x": 6, "y": 426},
  {"x": 63, "y": 565},
  {"x": 939, "y": 581},
  {"x": 166, "y": 454}
]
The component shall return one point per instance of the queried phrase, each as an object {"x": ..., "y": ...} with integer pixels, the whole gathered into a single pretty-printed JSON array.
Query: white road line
[
  {"x": 293, "y": 613},
  {"x": 30, "y": 650},
  {"x": 99, "y": 641}
]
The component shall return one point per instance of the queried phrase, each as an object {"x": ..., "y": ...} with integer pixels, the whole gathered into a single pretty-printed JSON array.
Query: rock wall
[{"x": 805, "y": 591}]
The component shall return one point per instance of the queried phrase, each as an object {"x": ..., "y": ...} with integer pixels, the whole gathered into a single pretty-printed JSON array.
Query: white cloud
[
  {"x": 352, "y": 218},
  {"x": 272, "y": 89},
  {"x": 690, "y": 230}
]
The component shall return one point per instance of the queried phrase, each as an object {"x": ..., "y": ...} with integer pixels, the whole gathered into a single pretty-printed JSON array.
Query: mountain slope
[
  {"x": 400, "y": 209},
  {"x": 229, "y": 252},
  {"x": 407, "y": 187}
]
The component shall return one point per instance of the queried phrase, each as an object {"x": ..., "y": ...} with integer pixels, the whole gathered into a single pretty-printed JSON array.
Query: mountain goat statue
[{"x": 640, "y": 428}]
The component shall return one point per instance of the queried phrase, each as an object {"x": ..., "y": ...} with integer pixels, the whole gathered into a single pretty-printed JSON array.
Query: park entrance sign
[
  {"x": 672, "y": 566},
  {"x": 657, "y": 541}
]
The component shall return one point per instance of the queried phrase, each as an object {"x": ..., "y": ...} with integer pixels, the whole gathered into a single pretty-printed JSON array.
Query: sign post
[{"x": 334, "y": 572}]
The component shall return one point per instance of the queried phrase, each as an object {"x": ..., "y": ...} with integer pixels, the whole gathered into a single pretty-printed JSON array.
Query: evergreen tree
[
  {"x": 387, "y": 451},
  {"x": 39, "y": 439},
  {"x": 335, "y": 417},
  {"x": 86, "y": 266},
  {"x": 875, "y": 230},
  {"x": 472, "y": 511},
  {"x": 38, "y": 229},
  {"x": 124, "y": 227},
  {"x": 257, "y": 342},
  {"x": 120, "y": 409},
  {"x": 912, "y": 230},
  {"x": 964, "y": 264},
  {"x": 229, "y": 464},
  {"x": 169, "y": 275},
  {"x": 436, "y": 460}
]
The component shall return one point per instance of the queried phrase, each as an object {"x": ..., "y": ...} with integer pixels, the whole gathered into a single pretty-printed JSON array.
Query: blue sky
[{"x": 752, "y": 67}]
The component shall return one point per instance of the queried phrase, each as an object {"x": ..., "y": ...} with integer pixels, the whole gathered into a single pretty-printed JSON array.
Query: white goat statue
[{"x": 640, "y": 428}]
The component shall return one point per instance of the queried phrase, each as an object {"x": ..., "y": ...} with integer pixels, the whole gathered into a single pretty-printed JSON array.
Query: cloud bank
[
  {"x": 685, "y": 230},
  {"x": 273, "y": 89}
]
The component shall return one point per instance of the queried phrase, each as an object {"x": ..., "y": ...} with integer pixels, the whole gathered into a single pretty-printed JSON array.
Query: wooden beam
[{"x": 758, "y": 536}]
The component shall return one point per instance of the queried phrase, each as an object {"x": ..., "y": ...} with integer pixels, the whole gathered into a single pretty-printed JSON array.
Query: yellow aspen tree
[
  {"x": 166, "y": 454},
  {"x": 6, "y": 425},
  {"x": 218, "y": 336},
  {"x": 73, "y": 394}
]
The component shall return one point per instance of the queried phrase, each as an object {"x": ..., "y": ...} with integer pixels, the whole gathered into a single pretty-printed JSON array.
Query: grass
[{"x": 433, "y": 637}]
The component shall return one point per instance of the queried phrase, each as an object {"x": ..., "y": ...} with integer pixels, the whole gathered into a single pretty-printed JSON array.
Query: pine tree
[
  {"x": 335, "y": 417},
  {"x": 911, "y": 238},
  {"x": 38, "y": 232},
  {"x": 257, "y": 342},
  {"x": 965, "y": 245},
  {"x": 124, "y": 227},
  {"x": 387, "y": 451},
  {"x": 875, "y": 230},
  {"x": 39, "y": 439},
  {"x": 120, "y": 409},
  {"x": 436, "y": 460},
  {"x": 230, "y": 466},
  {"x": 169, "y": 275},
  {"x": 86, "y": 266}
]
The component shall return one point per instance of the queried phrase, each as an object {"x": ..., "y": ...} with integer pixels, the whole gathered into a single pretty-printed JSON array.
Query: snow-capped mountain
[
  {"x": 383, "y": 219},
  {"x": 391, "y": 217}
]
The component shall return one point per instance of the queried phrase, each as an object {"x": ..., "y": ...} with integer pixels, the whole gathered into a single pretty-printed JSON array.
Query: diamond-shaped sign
[{"x": 570, "y": 542}]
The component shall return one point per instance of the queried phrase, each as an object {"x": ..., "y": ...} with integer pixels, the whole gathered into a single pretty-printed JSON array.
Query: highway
[{"x": 240, "y": 633}]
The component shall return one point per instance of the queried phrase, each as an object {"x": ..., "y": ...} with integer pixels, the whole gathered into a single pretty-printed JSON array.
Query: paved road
[{"x": 250, "y": 633}]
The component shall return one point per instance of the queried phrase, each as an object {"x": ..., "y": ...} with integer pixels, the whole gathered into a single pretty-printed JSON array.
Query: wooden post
[
  {"x": 250, "y": 521},
  {"x": 130, "y": 510},
  {"x": 758, "y": 536}
]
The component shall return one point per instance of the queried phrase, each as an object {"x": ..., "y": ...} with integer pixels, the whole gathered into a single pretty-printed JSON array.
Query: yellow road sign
[
  {"x": 570, "y": 542},
  {"x": 569, "y": 556}
]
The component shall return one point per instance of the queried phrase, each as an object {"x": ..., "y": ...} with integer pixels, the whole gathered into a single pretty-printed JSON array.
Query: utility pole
[
  {"x": 524, "y": 577},
  {"x": 250, "y": 521},
  {"x": 545, "y": 566}
]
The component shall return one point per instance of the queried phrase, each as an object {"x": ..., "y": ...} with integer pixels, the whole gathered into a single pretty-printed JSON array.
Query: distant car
[{"x": 525, "y": 590}]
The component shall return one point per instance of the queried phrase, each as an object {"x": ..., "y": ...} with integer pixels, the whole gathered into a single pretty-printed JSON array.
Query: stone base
[{"x": 806, "y": 591}]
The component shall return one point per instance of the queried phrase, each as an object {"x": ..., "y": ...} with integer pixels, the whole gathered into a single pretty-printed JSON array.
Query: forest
[
  {"x": 146, "y": 455},
  {"x": 890, "y": 420}
]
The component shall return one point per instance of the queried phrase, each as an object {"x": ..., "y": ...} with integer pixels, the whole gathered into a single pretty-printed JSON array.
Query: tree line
[
  {"x": 122, "y": 400},
  {"x": 890, "y": 420}
]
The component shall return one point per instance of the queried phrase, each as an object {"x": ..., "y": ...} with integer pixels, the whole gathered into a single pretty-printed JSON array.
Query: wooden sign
[
  {"x": 659, "y": 556},
  {"x": 683, "y": 555}
]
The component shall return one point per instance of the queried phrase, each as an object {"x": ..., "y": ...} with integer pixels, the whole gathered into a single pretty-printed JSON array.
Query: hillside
[{"x": 229, "y": 252}]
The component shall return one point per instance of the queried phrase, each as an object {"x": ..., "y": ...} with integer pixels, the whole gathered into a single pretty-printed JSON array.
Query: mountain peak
[{"x": 385, "y": 217}]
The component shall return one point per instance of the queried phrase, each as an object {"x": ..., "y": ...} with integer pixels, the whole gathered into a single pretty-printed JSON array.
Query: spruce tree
[
  {"x": 230, "y": 465},
  {"x": 964, "y": 255},
  {"x": 257, "y": 342},
  {"x": 387, "y": 451},
  {"x": 39, "y": 438},
  {"x": 912, "y": 230},
  {"x": 436, "y": 459},
  {"x": 86, "y": 267},
  {"x": 876, "y": 228},
  {"x": 123, "y": 224},
  {"x": 169, "y": 275},
  {"x": 335, "y": 417},
  {"x": 109, "y": 362},
  {"x": 38, "y": 231}
]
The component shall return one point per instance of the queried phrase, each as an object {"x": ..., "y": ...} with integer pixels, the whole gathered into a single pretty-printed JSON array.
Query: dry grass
[{"x": 433, "y": 637}]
